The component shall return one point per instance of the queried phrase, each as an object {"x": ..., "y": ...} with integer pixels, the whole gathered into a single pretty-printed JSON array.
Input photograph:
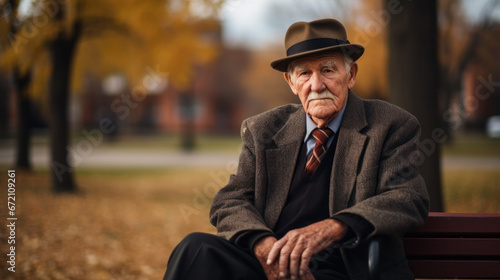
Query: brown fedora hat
[{"x": 319, "y": 36}]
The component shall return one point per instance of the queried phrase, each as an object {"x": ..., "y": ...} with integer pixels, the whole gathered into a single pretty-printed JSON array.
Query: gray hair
[{"x": 348, "y": 61}]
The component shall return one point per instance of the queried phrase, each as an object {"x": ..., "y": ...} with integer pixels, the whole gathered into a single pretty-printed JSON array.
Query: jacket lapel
[
  {"x": 280, "y": 162},
  {"x": 350, "y": 146}
]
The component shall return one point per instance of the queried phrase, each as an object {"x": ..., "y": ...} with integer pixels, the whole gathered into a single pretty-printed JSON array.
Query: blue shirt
[{"x": 334, "y": 125}]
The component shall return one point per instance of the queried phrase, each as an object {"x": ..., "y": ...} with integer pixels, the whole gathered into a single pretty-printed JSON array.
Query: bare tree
[
  {"x": 414, "y": 84},
  {"x": 21, "y": 80},
  {"x": 62, "y": 49}
]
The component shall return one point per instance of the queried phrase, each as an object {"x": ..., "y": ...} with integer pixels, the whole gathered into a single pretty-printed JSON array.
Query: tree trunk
[
  {"x": 187, "y": 106},
  {"x": 5, "y": 92},
  {"x": 23, "y": 137},
  {"x": 414, "y": 83},
  {"x": 62, "y": 51},
  {"x": 21, "y": 83}
]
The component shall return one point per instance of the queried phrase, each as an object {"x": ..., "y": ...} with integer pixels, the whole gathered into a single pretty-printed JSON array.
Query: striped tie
[{"x": 321, "y": 135}]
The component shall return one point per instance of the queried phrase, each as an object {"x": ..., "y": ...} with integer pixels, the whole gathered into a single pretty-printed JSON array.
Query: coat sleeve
[
  {"x": 233, "y": 211},
  {"x": 400, "y": 201}
]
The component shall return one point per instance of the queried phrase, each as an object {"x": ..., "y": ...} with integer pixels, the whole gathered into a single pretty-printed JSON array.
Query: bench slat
[
  {"x": 452, "y": 247},
  {"x": 455, "y": 269},
  {"x": 463, "y": 223}
]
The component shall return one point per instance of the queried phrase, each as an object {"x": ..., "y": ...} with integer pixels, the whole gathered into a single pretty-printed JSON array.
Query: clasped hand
[{"x": 288, "y": 258}]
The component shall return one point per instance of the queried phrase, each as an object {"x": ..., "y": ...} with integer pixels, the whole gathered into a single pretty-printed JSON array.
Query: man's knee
[
  {"x": 194, "y": 245},
  {"x": 195, "y": 240},
  {"x": 207, "y": 256},
  {"x": 189, "y": 246},
  {"x": 198, "y": 238}
]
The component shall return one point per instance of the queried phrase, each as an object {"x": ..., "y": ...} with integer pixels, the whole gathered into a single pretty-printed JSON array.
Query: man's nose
[{"x": 317, "y": 83}]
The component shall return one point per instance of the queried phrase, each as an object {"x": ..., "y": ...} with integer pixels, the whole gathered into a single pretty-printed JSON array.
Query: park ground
[{"x": 124, "y": 222}]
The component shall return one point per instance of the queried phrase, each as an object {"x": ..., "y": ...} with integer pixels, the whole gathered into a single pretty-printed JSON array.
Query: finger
[
  {"x": 304, "y": 262},
  {"x": 284, "y": 259},
  {"x": 307, "y": 275},
  {"x": 295, "y": 258},
  {"x": 275, "y": 250}
]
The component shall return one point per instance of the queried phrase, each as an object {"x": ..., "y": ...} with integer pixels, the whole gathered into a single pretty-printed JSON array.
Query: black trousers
[{"x": 201, "y": 256}]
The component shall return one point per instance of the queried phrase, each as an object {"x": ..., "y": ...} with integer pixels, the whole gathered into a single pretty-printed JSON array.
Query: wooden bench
[{"x": 451, "y": 246}]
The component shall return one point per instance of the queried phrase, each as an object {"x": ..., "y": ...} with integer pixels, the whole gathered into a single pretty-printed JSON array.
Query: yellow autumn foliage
[
  {"x": 369, "y": 29},
  {"x": 124, "y": 37}
]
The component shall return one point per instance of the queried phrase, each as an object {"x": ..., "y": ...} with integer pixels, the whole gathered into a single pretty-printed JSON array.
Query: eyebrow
[
  {"x": 299, "y": 67},
  {"x": 329, "y": 63},
  {"x": 303, "y": 65}
]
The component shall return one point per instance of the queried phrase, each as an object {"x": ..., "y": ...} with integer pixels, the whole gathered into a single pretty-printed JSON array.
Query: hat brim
[{"x": 352, "y": 50}]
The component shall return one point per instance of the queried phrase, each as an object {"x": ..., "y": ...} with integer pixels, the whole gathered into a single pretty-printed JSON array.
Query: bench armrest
[{"x": 373, "y": 258}]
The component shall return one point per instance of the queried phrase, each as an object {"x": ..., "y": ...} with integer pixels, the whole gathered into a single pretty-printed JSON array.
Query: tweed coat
[{"x": 372, "y": 176}]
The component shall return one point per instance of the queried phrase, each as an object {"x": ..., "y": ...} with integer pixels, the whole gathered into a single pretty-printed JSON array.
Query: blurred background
[{"x": 121, "y": 118}]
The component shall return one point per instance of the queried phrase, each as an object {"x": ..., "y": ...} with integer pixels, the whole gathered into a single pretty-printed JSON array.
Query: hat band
[{"x": 314, "y": 44}]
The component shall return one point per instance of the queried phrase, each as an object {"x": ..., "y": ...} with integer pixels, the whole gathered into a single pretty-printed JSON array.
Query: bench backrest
[{"x": 455, "y": 246}]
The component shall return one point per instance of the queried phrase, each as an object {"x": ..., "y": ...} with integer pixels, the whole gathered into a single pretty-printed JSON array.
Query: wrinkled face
[{"x": 322, "y": 84}]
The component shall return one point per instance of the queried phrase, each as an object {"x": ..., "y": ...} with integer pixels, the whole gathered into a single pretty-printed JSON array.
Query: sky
[
  {"x": 256, "y": 23},
  {"x": 250, "y": 22},
  {"x": 244, "y": 22}
]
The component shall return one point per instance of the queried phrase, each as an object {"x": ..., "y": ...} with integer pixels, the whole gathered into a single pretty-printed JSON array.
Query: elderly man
[{"x": 315, "y": 180}]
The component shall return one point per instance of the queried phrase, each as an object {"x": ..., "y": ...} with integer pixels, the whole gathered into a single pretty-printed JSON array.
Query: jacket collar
[
  {"x": 350, "y": 146},
  {"x": 294, "y": 129},
  {"x": 288, "y": 139}
]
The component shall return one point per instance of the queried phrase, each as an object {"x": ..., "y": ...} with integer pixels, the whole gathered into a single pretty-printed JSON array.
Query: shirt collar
[{"x": 334, "y": 124}]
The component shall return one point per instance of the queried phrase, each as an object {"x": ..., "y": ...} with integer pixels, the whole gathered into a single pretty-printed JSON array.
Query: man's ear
[
  {"x": 352, "y": 75},
  {"x": 288, "y": 79}
]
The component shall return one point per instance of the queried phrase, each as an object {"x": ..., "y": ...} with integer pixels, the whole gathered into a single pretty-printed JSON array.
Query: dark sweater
[{"x": 307, "y": 203}]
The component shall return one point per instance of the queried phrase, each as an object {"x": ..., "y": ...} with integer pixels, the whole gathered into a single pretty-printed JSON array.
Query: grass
[
  {"x": 472, "y": 144},
  {"x": 474, "y": 191},
  {"x": 120, "y": 226},
  {"x": 156, "y": 142},
  {"x": 124, "y": 225}
]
